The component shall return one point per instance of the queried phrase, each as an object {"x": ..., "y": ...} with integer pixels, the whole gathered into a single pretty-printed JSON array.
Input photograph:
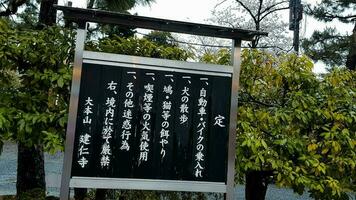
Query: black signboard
[{"x": 142, "y": 121}]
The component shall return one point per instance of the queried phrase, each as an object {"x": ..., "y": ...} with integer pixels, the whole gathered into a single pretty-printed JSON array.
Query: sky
[{"x": 199, "y": 10}]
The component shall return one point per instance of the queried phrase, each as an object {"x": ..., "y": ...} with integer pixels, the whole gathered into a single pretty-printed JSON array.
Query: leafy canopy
[
  {"x": 331, "y": 46},
  {"x": 295, "y": 124},
  {"x": 35, "y": 110},
  {"x": 328, "y": 10}
]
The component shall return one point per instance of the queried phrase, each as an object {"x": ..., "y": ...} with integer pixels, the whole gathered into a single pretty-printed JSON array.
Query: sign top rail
[{"x": 81, "y": 15}]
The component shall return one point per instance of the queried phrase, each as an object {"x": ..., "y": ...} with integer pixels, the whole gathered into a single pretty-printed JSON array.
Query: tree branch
[
  {"x": 323, "y": 14},
  {"x": 227, "y": 22},
  {"x": 7, "y": 12},
  {"x": 263, "y": 131},
  {"x": 12, "y": 7},
  {"x": 260, "y": 102},
  {"x": 2, "y": 4},
  {"x": 272, "y": 11},
  {"x": 248, "y": 10},
  {"x": 272, "y": 6},
  {"x": 277, "y": 47},
  {"x": 219, "y": 3},
  {"x": 329, "y": 15},
  {"x": 90, "y": 4},
  {"x": 259, "y": 11}
]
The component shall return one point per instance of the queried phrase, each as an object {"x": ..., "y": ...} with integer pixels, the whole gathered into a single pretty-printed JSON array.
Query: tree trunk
[
  {"x": 30, "y": 169},
  {"x": 47, "y": 14},
  {"x": 30, "y": 160},
  {"x": 351, "y": 58},
  {"x": 100, "y": 194},
  {"x": 256, "y": 185},
  {"x": 90, "y": 4},
  {"x": 80, "y": 193}
]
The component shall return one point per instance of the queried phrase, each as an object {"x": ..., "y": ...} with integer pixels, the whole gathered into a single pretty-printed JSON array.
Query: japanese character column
[
  {"x": 110, "y": 85},
  {"x": 127, "y": 120},
  {"x": 164, "y": 126},
  {"x": 201, "y": 129},
  {"x": 145, "y": 128},
  {"x": 183, "y": 122}
]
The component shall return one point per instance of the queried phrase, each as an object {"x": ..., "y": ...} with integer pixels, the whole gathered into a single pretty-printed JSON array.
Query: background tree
[
  {"x": 36, "y": 108},
  {"x": 30, "y": 162},
  {"x": 260, "y": 15},
  {"x": 9, "y": 82},
  {"x": 329, "y": 45},
  {"x": 10, "y": 7},
  {"x": 161, "y": 38},
  {"x": 294, "y": 129},
  {"x": 118, "y": 6}
]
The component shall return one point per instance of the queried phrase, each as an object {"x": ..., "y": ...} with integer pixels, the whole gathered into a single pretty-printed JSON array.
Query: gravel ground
[{"x": 53, "y": 167}]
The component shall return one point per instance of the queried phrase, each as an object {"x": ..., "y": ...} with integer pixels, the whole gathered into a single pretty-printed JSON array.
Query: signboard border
[
  {"x": 153, "y": 64},
  {"x": 141, "y": 63},
  {"x": 236, "y": 66},
  {"x": 73, "y": 109},
  {"x": 227, "y": 188},
  {"x": 121, "y": 60},
  {"x": 147, "y": 184}
]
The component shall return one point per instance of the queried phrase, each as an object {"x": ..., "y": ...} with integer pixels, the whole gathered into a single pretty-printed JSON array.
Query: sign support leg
[
  {"x": 236, "y": 63},
  {"x": 73, "y": 107}
]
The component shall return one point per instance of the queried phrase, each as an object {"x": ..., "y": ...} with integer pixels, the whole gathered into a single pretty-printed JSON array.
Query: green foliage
[
  {"x": 35, "y": 194},
  {"x": 36, "y": 108},
  {"x": 117, "y": 5},
  {"x": 29, "y": 16},
  {"x": 121, "y": 6},
  {"x": 138, "y": 47},
  {"x": 328, "y": 10},
  {"x": 222, "y": 57},
  {"x": 111, "y": 31},
  {"x": 297, "y": 125},
  {"x": 9, "y": 82},
  {"x": 161, "y": 38},
  {"x": 330, "y": 46}
]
